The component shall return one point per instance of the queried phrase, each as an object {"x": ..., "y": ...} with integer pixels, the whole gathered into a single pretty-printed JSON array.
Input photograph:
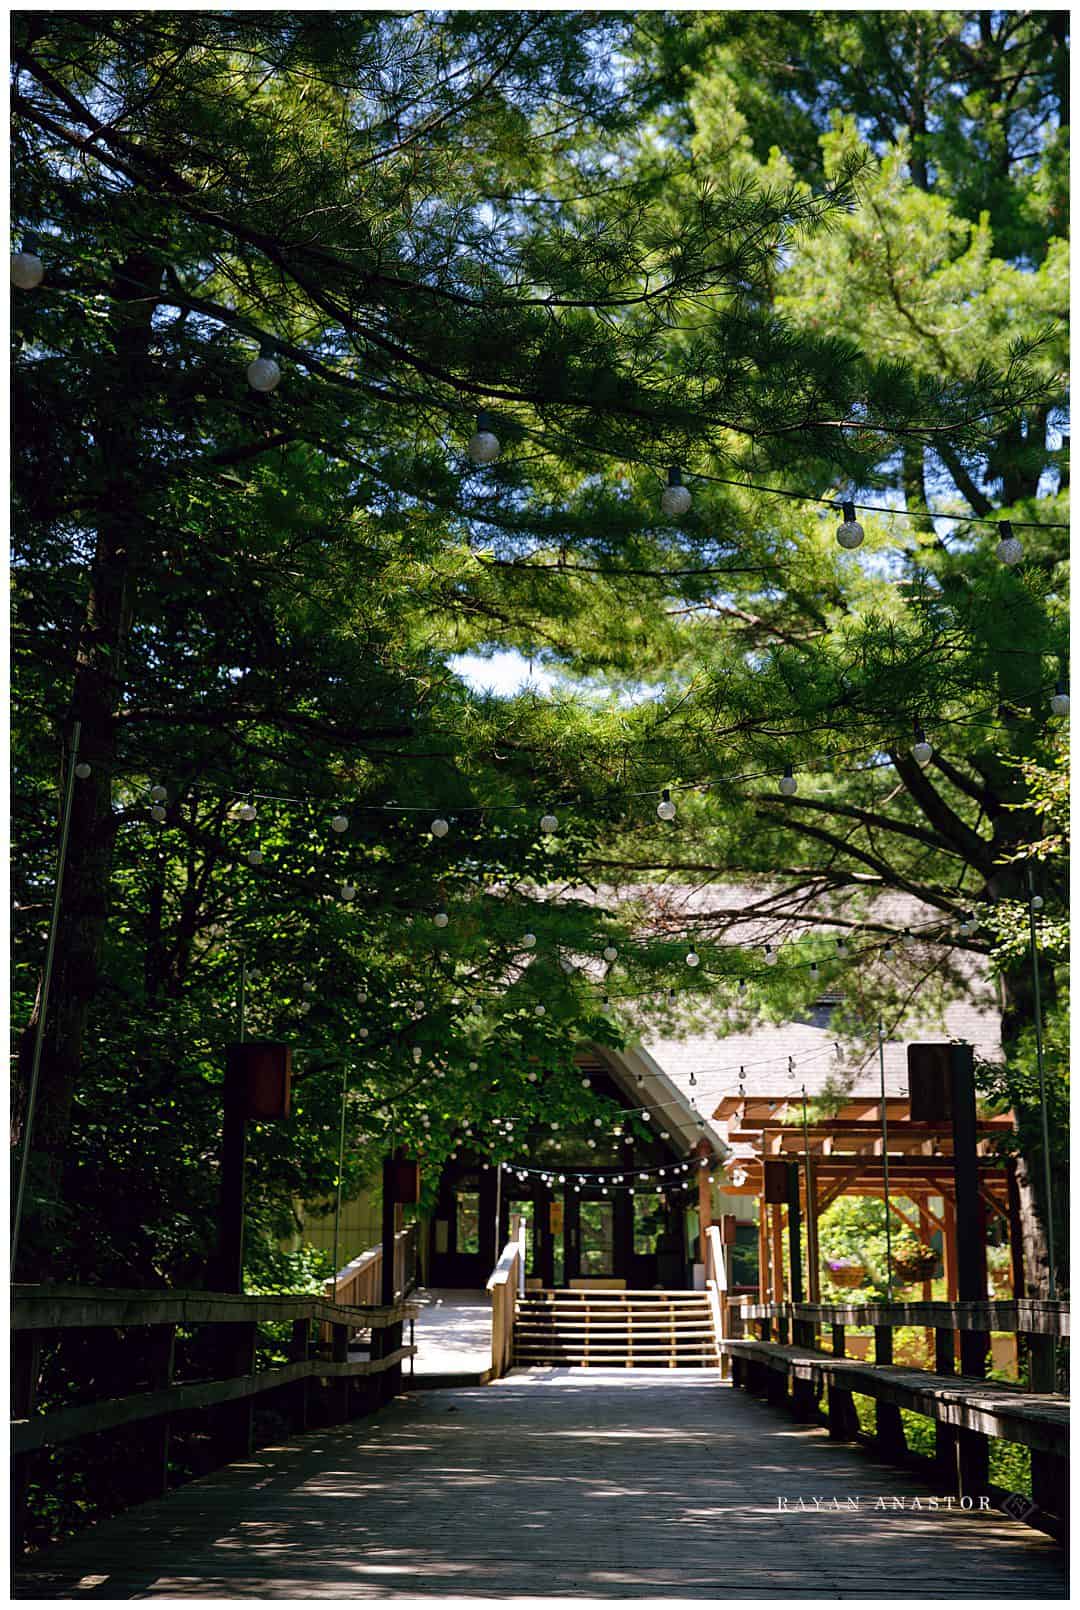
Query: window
[
  {"x": 649, "y": 1222},
  {"x": 467, "y": 1199}
]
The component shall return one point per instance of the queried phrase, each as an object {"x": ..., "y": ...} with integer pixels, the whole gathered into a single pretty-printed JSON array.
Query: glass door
[{"x": 596, "y": 1238}]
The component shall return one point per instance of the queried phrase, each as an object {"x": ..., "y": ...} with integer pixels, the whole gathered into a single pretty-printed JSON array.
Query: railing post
[
  {"x": 889, "y": 1433},
  {"x": 237, "y": 1354},
  {"x": 339, "y": 1384},
  {"x": 843, "y": 1421},
  {"x": 299, "y": 1353},
  {"x": 1049, "y": 1473},
  {"x": 161, "y": 1351}
]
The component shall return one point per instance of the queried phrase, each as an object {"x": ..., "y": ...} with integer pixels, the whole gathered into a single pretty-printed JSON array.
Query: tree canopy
[{"x": 581, "y": 226}]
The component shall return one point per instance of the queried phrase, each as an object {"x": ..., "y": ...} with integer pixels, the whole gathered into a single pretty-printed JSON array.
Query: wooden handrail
[
  {"x": 503, "y": 1285},
  {"x": 1026, "y": 1315},
  {"x": 42, "y": 1314}
]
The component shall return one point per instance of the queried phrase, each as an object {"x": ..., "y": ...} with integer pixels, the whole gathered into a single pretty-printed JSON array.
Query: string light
[
  {"x": 850, "y": 533},
  {"x": 788, "y": 785},
  {"x": 27, "y": 269},
  {"x": 340, "y": 824},
  {"x": 610, "y": 953},
  {"x": 247, "y": 812},
  {"x": 255, "y": 857},
  {"x": 1037, "y": 902},
  {"x": 263, "y": 372},
  {"x": 692, "y": 958},
  {"x": 921, "y": 749},
  {"x": 440, "y": 919},
  {"x": 666, "y": 808},
  {"x": 440, "y": 827},
  {"x": 348, "y": 891},
  {"x": 1010, "y": 550},
  {"x": 549, "y": 824},
  {"x": 528, "y": 941},
  {"x": 158, "y": 812},
  {"x": 483, "y": 446},
  {"x": 675, "y": 499},
  {"x": 82, "y": 770},
  {"x": 770, "y": 956},
  {"x": 1059, "y": 700},
  {"x": 158, "y": 794}
]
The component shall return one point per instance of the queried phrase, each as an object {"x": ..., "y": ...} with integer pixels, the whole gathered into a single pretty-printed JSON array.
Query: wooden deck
[{"x": 556, "y": 1483}]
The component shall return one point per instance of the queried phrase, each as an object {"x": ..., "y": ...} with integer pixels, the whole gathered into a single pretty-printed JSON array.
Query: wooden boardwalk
[{"x": 555, "y": 1483}]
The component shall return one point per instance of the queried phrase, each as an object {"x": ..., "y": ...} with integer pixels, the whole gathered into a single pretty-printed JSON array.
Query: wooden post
[
  {"x": 890, "y": 1428},
  {"x": 794, "y": 1234},
  {"x": 300, "y": 1352},
  {"x": 843, "y": 1421},
  {"x": 339, "y": 1354},
  {"x": 25, "y": 1368},
  {"x": 229, "y": 1268},
  {"x": 925, "y": 1232},
  {"x": 972, "y": 1449},
  {"x": 389, "y": 1227},
  {"x": 777, "y": 1253},
  {"x": 161, "y": 1359},
  {"x": 1049, "y": 1473},
  {"x": 970, "y": 1236},
  {"x": 763, "y": 1251},
  {"x": 236, "y": 1420},
  {"x": 945, "y": 1436}
]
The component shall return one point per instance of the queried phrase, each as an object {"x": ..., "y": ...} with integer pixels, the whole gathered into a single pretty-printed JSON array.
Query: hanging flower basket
[
  {"x": 845, "y": 1271},
  {"x": 917, "y": 1263}
]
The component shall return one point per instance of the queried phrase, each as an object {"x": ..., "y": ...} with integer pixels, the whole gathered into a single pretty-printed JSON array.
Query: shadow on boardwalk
[{"x": 555, "y": 1483}]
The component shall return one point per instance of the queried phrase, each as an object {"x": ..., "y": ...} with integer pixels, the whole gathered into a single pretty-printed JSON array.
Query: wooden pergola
[{"x": 845, "y": 1156}]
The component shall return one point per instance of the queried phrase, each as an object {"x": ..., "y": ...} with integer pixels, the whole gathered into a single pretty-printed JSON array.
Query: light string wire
[
  {"x": 228, "y": 319},
  {"x": 871, "y": 762}
]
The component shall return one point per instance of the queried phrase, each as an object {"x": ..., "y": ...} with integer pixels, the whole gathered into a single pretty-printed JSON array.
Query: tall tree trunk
[{"x": 96, "y": 693}]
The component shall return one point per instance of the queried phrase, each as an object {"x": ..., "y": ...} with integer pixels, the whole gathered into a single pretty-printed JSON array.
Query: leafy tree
[{"x": 236, "y": 593}]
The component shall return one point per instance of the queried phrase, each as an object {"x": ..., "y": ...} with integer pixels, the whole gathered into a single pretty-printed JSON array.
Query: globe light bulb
[
  {"x": 1037, "y": 902},
  {"x": 416, "y": 1053},
  {"x": 362, "y": 1034},
  {"x": 540, "y": 1009},
  {"x": 528, "y": 941},
  {"x": 666, "y": 808},
  {"x": 692, "y": 958},
  {"x": 483, "y": 446},
  {"x": 1010, "y": 550},
  {"x": 610, "y": 953},
  {"x": 255, "y": 857},
  {"x": 921, "y": 749},
  {"x": 788, "y": 785},
  {"x": 770, "y": 956},
  {"x": 440, "y": 828},
  {"x": 158, "y": 812},
  {"x": 362, "y": 996},
  {"x": 263, "y": 373},
  {"x": 247, "y": 812},
  {"x": 339, "y": 823},
  {"x": 82, "y": 770},
  {"x": 158, "y": 794},
  {"x": 907, "y": 939},
  {"x": 815, "y": 972},
  {"x": 1059, "y": 700},
  {"x": 549, "y": 824},
  {"x": 675, "y": 499},
  {"x": 27, "y": 270},
  {"x": 850, "y": 534},
  {"x": 348, "y": 891},
  {"x": 440, "y": 919}
]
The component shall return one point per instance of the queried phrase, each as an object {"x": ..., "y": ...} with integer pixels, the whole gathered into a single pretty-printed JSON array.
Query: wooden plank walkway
[{"x": 555, "y": 1483}]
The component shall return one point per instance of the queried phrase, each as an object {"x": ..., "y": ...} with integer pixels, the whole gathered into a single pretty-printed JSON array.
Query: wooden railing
[
  {"x": 361, "y": 1280},
  {"x": 146, "y": 1323},
  {"x": 504, "y": 1282},
  {"x": 716, "y": 1287},
  {"x": 966, "y": 1408}
]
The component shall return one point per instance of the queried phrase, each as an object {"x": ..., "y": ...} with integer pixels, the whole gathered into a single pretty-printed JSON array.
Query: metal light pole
[
  {"x": 1050, "y": 1259},
  {"x": 885, "y": 1161},
  {"x": 46, "y": 981}
]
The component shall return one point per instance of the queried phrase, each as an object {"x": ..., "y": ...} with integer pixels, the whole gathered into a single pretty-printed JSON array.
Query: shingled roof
[{"x": 779, "y": 1059}]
